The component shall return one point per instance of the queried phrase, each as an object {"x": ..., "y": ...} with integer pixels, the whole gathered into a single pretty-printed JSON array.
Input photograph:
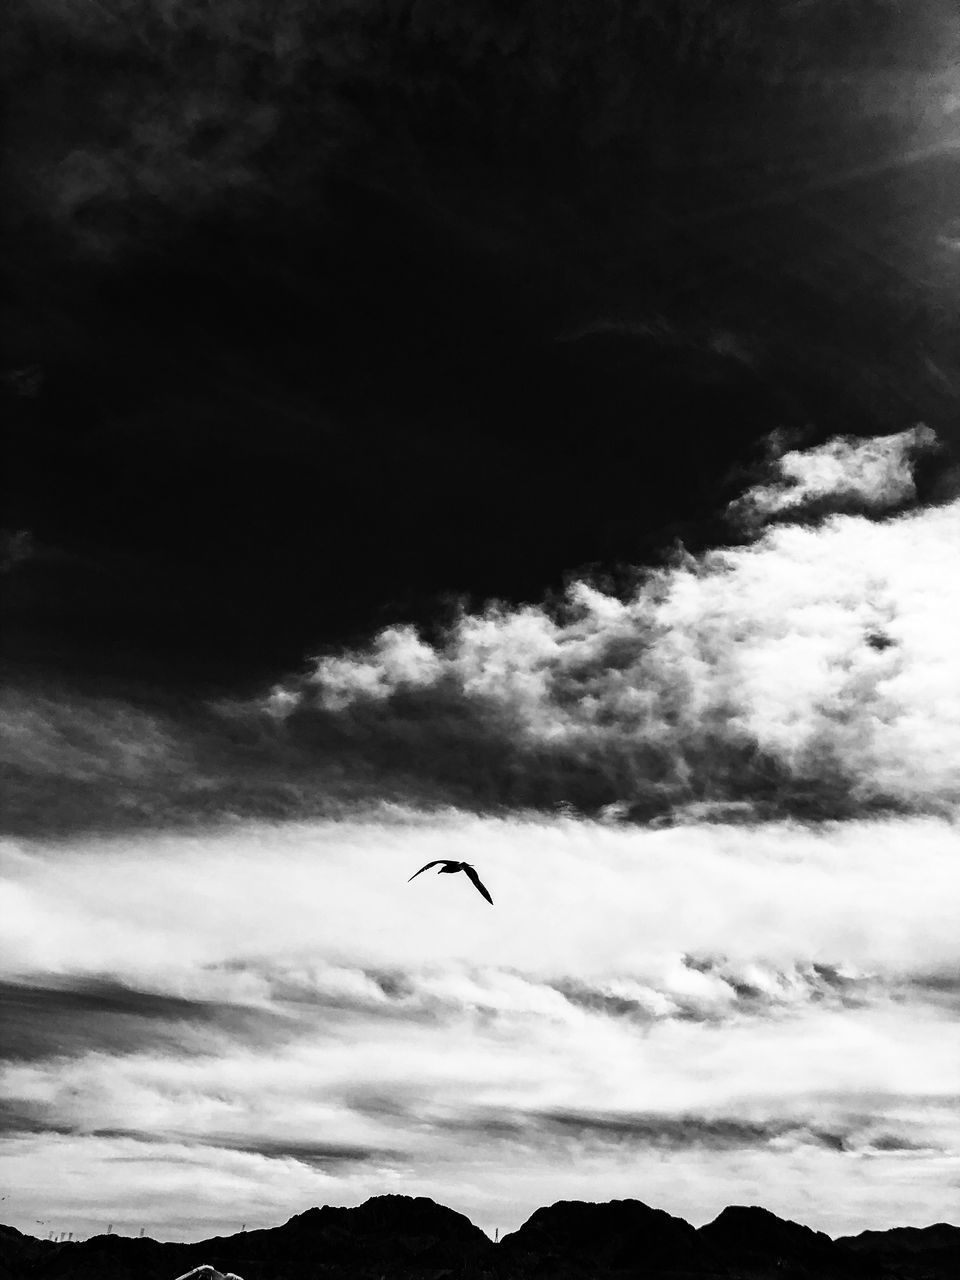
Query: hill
[{"x": 417, "y": 1239}]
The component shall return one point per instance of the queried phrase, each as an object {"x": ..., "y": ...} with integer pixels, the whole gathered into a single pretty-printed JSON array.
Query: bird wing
[
  {"x": 435, "y": 863},
  {"x": 476, "y": 880}
]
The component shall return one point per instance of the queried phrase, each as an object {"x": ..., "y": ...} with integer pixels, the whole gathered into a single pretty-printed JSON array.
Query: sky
[{"x": 479, "y": 450}]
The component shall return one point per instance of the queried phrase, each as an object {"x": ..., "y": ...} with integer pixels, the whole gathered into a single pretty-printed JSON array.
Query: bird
[{"x": 448, "y": 866}]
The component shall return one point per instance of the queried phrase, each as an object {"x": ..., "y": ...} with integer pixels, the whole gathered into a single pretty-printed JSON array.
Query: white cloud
[
  {"x": 876, "y": 473},
  {"x": 177, "y": 1191},
  {"x": 398, "y": 657},
  {"x": 439, "y": 1098},
  {"x": 814, "y": 668},
  {"x": 424, "y": 1021},
  {"x": 571, "y": 897},
  {"x": 184, "y": 1192}
]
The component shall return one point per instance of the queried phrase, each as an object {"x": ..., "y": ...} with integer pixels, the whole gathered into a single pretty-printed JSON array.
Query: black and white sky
[{"x": 523, "y": 434}]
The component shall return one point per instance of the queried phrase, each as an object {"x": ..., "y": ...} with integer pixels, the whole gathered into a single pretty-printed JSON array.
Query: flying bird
[{"x": 448, "y": 866}]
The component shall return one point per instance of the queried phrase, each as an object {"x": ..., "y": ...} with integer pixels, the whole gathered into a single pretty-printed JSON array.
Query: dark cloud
[
  {"x": 79, "y": 1015},
  {"x": 946, "y": 982},
  {"x": 401, "y": 1102},
  {"x": 77, "y": 763},
  {"x": 644, "y": 1130},
  {"x": 216, "y": 114},
  {"x": 831, "y": 1139},
  {"x": 20, "y": 1117},
  {"x": 156, "y": 1157},
  {"x": 317, "y": 1154},
  {"x": 297, "y": 286},
  {"x": 588, "y": 1129},
  {"x": 673, "y": 1132},
  {"x": 940, "y": 989},
  {"x": 614, "y": 1006},
  {"x": 596, "y": 699},
  {"x": 136, "y": 1135},
  {"x": 16, "y": 547},
  {"x": 735, "y": 991},
  {"x": 897, "y": 1142},
  {"x": 324, "y": 319},
  {"x": 757, "y": 990},
  {"x": 367, "y": 994},
  {"x": 689, "y": 1132}
]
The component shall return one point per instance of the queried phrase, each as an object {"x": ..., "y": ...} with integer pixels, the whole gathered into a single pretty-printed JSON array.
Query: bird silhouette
[{"x": 448, "y": 866}]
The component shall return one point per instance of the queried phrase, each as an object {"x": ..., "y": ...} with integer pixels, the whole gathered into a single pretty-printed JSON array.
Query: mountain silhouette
[
  {"x": 911, "y": 1253},
  {"x": 749, "y": 1239},
  {"x": 621, "y": 1235},
  {"x": 413, "y": 1237}
]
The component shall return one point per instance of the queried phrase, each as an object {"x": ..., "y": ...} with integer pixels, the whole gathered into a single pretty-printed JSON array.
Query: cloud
[
  {"x": 768, "y": 904},
  {"x": 809, "y": 673},
  {"x": 70, "y": 759},
  {"x": 76, "y": 763},
  {"x": 845, "y": 473},
  {"x": 726, "y": 897},
  {"x": 16, "y": 547},
  {"x": 398, "y": 658},
  {"x": 721, "y": 977},
  {"x": 712, "y": 988},
  {"x": 83, "y": 739},
  {"x": 225, "y": 1001},
  {"x": 186, "y": 135},
  {"x": 605, "y": 1132},
  {"x": 680, "y": 1131},
  {"x": 708, "y": 1011},
  {"x": 63, "y": 1017},
  {"x": 173, "y": 127},
  {"x": 429, "y": 1106},
  {"x": 895, "y": 1142},
  {"x": 19, "y": 1116},
  {"x": 319, "y": 1155},
  {"x": 177, "y": 1190}
]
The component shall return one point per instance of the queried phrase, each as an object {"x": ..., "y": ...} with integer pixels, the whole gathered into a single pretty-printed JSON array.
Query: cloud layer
[
  {"x": 236, "y": 1005},
  {"x": 777, "y": 1005}
]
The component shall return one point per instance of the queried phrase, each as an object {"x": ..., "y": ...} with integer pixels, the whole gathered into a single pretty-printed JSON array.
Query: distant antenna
[
  {"x": 496, "y": 1235},
  {"x": 110, "y": 1229},
  {"x": 141, "y": 1233}
]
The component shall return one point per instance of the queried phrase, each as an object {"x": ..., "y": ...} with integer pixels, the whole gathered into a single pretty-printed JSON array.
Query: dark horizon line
[{"x": 501, "y": 1237}]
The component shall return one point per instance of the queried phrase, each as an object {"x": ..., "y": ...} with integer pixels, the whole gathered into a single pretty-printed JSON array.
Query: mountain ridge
[{"x": 418, "y": 1237}]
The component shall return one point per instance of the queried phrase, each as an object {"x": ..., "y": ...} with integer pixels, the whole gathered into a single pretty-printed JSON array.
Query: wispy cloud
[
  {"x": 63, "y": 1017},
  {"x": 74, "y": 763},
  {"x": 602, "y": 894},
  {"x": 751, "y": 995},
  {"x": 682, "y": 1131}
]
